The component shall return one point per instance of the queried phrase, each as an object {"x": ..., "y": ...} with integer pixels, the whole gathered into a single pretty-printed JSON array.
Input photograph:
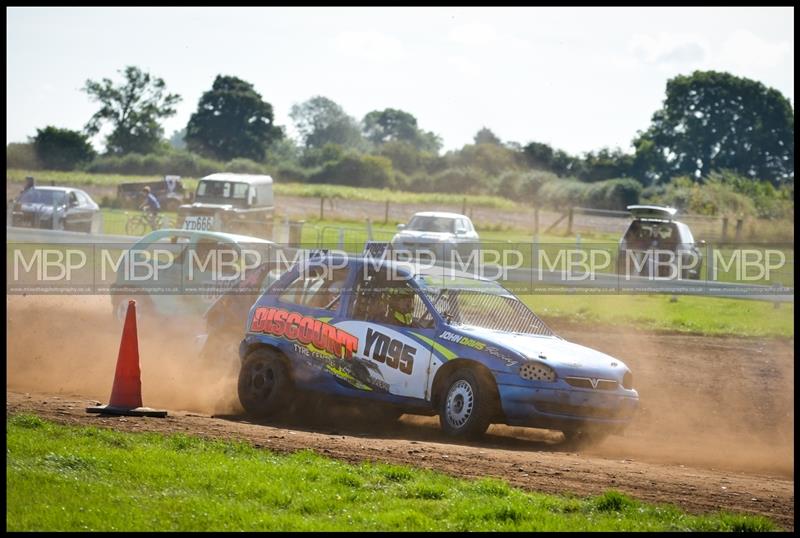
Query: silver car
[
  {"x": 55, "y": 208},
  {"x": 437, "y": 231}
]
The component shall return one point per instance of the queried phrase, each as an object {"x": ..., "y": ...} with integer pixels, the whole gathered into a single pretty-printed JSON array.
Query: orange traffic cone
[{"x": 126, "y": 394}]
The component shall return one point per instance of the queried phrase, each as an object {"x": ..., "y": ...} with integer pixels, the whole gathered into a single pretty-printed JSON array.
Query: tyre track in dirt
[
  {"x": 537, "y": 466},
  {"x": 715, "y": 431}
]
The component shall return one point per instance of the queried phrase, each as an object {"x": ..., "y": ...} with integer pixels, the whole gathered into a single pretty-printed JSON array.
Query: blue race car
[{"x": 410, "y": 339}]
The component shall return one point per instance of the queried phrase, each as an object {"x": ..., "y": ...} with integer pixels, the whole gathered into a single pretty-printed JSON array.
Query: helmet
[{"x": 146, "y": 188}]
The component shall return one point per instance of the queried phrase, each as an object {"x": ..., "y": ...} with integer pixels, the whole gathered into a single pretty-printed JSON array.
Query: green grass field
[
  {"x": 692, "y": 315},
  {"x": 78, "y": 179},
  {"x": 61, "y": 478}
]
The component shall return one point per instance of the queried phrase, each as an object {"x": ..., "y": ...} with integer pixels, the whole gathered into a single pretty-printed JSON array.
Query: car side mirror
[{"x": 401, "y": 227}]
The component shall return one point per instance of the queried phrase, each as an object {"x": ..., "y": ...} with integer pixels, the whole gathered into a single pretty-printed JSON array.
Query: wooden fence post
[
  {"x": 386, "y": 213},
  {"x": 569, "y": 222},
  {"x": 321, "y": 208},
  {"x": 536, "y": 221},
  {"x": 464, "y": 207},
  {"x": 739, "y": 223},
  {"x": 369, "y": 229},
  {"x": 725, "y": 228}
]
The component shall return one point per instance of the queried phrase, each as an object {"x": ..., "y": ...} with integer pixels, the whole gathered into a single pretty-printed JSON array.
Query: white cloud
[
  {"x": 473, "y": 34},
  {"x": 668, "y": 50},
  {"x": 369, "y": 45},
  {"x": 465, "y": 66},
  {"x": 745, "y": 50}
]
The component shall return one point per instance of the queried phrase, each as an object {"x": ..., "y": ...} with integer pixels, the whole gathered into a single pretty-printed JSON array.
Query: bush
[
  {"x": 62, "y": 149},
  {"x": 181, "y": 163},
  {"x": 290, "y": 173},
  {"x": 712, "y": 198},
  {"x": 490, "y": 158},
  {"x": 366, "y": 171},
  {"x": 245, "y": 166},
  {"x": 22, "y": 156},
  {"x": 609, "y": 194},
  {"x": 463, "y": 180},
  {"x": 523, "y": 186}
]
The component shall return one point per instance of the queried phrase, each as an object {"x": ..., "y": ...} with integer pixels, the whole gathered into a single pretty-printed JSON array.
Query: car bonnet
[{"x": 553, "y": 350}]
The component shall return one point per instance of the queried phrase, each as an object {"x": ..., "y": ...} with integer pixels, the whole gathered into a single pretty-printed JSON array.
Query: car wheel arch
[
  {"x": 442, "y": 374},
  {"x": 279, "y": 354}
]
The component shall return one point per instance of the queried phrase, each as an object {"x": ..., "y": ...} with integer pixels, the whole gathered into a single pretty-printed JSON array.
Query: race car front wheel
[
  {"x": 264, "y": 384},
  {"x": 465, "y": 408}
]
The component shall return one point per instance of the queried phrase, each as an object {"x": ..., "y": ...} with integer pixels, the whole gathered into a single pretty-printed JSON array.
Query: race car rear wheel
[
  {"x": 465, "y": 408},
  {"x": 265, "y": 386}
]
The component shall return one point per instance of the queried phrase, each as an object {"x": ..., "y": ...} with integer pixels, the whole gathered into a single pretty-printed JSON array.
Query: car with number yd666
[
  {"x": 404, "y": 338},
  {"x": 233, "y": 203}
]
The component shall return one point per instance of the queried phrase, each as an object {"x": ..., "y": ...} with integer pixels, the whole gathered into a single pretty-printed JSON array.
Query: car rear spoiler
[{"x": 652, "y": 212}]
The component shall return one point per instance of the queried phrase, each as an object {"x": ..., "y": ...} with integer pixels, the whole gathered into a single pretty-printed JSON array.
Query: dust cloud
[
  {"x": 721, "y": 403},
  {"x": 69, "y": 345}
]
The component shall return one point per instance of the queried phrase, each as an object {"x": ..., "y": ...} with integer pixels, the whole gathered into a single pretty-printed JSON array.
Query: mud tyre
[{"x": 265, "y": 386}]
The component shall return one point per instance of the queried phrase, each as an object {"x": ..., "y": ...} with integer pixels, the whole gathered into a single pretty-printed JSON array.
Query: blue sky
[{"x": 576, "y": 78}]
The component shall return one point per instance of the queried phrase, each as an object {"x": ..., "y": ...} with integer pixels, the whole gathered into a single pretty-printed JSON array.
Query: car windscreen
[
  {"x": 480, "y": 303},
  {"x": 227, "y": 191},
  {"x": 431, "y": 224},
  {"x": 41, "y": 196}
]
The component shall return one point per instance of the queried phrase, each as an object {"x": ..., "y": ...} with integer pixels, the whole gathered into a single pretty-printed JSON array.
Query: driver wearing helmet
[{"x": 401, "y": 305}]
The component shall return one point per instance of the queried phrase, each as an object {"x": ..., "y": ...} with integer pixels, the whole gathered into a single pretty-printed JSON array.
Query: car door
[
  {"x": 72, "y": 212},
  {"x": 395, "y": 350}
]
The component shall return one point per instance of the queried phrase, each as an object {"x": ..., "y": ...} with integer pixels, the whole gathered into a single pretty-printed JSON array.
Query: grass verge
[
  {"x": 691, "y": 315},
  {"x": 78, "y": 179},
  {"x": 66, "y": 478}
]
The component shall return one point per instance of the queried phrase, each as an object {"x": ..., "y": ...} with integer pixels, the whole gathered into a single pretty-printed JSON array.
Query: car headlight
[
  {"x": 627, "y": 380},
  {"x": 536, "y": 371}
]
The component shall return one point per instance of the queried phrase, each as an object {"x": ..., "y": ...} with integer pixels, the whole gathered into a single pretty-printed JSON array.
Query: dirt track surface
[{"x": 715, "y": 431}]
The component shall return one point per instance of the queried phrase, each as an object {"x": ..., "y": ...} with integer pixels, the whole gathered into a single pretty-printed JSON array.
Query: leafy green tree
[
  {"x": 178, "y": 139},
  {"x": 313, "y": 157},
  {"x": 133, "y": 109},
  {"x": 538, "y": 155},
  {"x": 232, "y": 120},
  {"x": 381, "y": 126},
  {"x": 486, "y": 136},
  {"x": 62, "y": 149},
  {"x": 606, "y": 164},
  {"x": 404, "y": 156},
  {"x": 321, "y": 121},
  {"x": 491, "y": 158},
  {"x": 393, "y": 125},
  {"x": 712, "y": 120}
]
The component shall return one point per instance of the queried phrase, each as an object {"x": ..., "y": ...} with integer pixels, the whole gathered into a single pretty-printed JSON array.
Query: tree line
[{"x": 710, "y": 123}]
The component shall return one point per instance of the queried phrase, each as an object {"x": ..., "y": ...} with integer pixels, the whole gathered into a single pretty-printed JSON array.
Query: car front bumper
[{"x": 564, "y": 409}]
